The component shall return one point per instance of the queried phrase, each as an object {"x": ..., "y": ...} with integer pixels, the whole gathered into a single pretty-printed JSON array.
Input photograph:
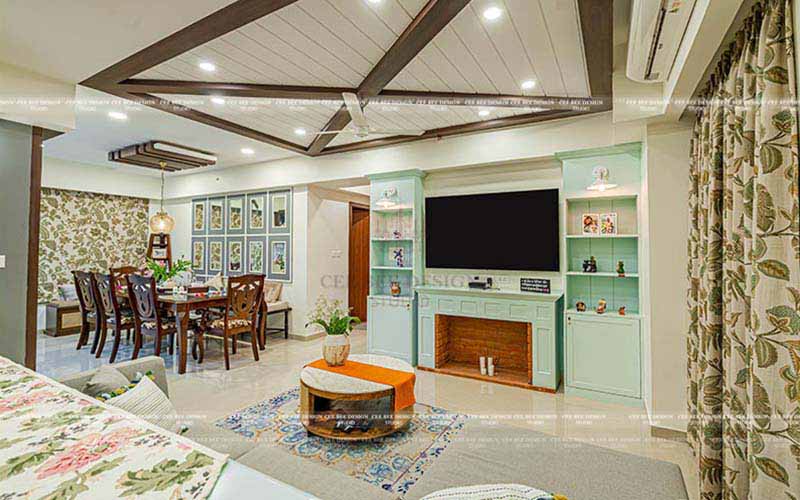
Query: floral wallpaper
[{"x": 88, "y": 231}]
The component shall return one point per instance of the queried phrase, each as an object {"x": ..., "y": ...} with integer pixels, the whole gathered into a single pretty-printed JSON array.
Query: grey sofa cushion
[
  {"x": 218, "y": 439},
  {"x": 105, "y": 379},
  {"x": 128, "y": 368}
]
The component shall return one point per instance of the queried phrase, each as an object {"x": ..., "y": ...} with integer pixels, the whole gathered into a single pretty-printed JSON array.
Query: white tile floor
[{"x": 208, "y": 391}]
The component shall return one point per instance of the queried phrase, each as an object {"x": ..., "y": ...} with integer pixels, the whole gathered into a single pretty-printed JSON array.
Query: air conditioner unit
[{"x": 657, "y": 28}]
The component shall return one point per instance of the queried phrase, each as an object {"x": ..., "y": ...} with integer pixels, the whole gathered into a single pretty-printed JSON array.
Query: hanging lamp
[{"x": 162, "y": 222}]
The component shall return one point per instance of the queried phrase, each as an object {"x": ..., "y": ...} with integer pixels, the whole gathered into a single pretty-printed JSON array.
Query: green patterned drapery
[{"x": 744, "y": 269}]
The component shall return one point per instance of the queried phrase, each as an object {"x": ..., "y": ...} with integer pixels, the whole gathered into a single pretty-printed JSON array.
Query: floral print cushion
[
  {"x": 58, "y": 443},
  {"x": 105, "y": 396},
  {"x": 232, "y": 323},
  {"x": 165, "y": 325}
]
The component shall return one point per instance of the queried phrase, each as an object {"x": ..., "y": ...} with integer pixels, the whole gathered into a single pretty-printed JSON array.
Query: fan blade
[
  {"x": 354, "y": 108},
  {"x": 389, "y": 131},
  {"x": 334, "y": 132}
]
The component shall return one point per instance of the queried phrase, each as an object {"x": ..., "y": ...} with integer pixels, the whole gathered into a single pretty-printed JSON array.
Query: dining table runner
[
  {"x": 57, "y": 443},
  {"x": 402, "y": 382}
]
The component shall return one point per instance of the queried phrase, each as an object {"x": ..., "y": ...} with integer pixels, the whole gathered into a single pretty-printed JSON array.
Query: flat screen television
[{"x": 504, "y": 231}]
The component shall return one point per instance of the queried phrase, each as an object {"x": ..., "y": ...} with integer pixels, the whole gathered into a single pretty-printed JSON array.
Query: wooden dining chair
[
  {"x": 148, "y": 318},
  {"x": 109, "y": 313},
  {"x": 245, "y": 294},
  {"x": 83, "y": 288}
]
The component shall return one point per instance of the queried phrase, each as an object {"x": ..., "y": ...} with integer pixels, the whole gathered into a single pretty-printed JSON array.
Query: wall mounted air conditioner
[{"x": 657, "y": 28}]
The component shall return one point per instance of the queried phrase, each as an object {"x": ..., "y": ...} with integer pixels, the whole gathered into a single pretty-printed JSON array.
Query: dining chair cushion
[
  {"x": 277, "y": 306},
  {"x": 106, "y": 380},
  {"x": 232, "y": 323},
  {"x": 67, "y": 292},
  {"x": 272, "y": 291},
  {"x": 165, "y": 325},
  {"x": 147, "y": 401}
]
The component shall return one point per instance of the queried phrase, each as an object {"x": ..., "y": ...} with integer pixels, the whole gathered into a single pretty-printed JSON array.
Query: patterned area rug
[{"x": 394, "y": 463}]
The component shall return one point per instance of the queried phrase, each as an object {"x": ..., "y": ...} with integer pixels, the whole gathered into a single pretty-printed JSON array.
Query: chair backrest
[
  {"x": 245, "y": 294},
  {"x": 142, "y": 295},
  {"x": 272, "y": 291},
  {"x": 119, "y": 275},
  {"x": 105, "y": 294},
  {"x": 83, "y": 286}
]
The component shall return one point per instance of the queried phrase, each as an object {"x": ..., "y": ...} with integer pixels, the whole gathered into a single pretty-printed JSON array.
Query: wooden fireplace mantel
[{"x": 523, "y": 330}]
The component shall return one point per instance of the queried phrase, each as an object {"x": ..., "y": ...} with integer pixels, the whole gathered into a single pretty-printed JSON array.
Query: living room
[{"x": 405, "y": 249}]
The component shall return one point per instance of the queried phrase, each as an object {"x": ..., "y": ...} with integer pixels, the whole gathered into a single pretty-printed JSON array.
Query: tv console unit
[{"x": 522, "y": 331}]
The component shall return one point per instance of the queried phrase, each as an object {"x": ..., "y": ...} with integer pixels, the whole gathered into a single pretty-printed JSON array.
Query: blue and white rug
[{"x": 394, "y": 463}]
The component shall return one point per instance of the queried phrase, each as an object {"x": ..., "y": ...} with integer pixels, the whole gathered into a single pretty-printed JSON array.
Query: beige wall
[{"x": 668, "y": 187}]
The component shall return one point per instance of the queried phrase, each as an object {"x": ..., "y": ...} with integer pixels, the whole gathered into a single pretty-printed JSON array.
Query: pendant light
[
  {"x": 162, "y": 222},
  {"x": 600, "y": 183}
]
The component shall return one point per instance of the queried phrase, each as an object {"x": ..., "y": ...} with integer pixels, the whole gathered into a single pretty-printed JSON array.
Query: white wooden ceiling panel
[
  {"x": 370, "y": 19},
  {"x": 345, "y": 29},
  {"x": 563, "y": 24},
  {"x": 447, "y": 72},
  {"x": 528, "y": 22}
]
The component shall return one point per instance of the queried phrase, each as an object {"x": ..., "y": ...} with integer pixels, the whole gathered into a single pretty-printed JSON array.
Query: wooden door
[{"x": 358, "y": 281}]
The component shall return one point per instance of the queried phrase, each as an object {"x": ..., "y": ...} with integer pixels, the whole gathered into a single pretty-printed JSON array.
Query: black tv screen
[{"x": 505, "y": 231}]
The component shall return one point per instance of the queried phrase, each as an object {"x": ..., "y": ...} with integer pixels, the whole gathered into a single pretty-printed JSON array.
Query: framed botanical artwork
[
  {"x": 608, "y": 223},
  {"x": 257, "y": 213},
  {"x": 256, "y": 252},
  {"x": 199, "y": 255},
  {"x": 280, "y": 258},
  {"x": 158, "y": 253},
  {"x": 199, "y": 217},
  {"x": 235, "y": 214},
  {"x": 216, "y": 255},
  {"x": 590, "y": 224},
  {"x": 216, "y": 216},
  {"x": 235, "y": 256},
  {"x": 280, "y": 212}
]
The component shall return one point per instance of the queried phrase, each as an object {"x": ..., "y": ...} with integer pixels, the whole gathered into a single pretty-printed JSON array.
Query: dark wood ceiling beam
[
  {"x": 597, "y": 28},
  {"x": 200, "y": 117},
  {"x": 433, "y": 17},
  {"x": 484, "y": 126},
  {"x": 206, "y": 29}
]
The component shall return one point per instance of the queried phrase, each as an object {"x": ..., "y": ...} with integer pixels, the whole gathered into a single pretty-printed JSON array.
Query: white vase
[
  {"x": 184, "y": 278},
  {"x": 336, "y": 349}
]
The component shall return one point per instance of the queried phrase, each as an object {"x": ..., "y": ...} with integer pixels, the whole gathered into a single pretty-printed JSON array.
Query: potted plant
[
  {"x": 337, "y": 325},
  {"x": 163, "y": 274}
]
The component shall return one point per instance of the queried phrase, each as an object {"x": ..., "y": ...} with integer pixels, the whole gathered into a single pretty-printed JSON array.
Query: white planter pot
[{"x": 336, "y": 349}]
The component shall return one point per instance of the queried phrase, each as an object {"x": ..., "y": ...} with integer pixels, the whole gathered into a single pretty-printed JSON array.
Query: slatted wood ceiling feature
[{"x": 337, "y": 42}]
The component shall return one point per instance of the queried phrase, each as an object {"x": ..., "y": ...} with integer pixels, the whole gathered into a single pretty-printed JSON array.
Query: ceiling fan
[{"x": 361, "y": 127}]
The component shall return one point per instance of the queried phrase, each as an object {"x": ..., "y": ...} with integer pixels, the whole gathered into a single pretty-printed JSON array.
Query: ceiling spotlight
[
  {"x": 218, "y": 100},
  {"x": 247, "y": 151},
  {"x": 492, "y": 13},
  {"x": 207, "y": 66},
  {"x": 374, "y": 1},
  {"x": 117, "y": 115},
  {"x": 528, "y": 84},
  {"x": 300, "y": 131},
  {"x": 484, "y": 112}
]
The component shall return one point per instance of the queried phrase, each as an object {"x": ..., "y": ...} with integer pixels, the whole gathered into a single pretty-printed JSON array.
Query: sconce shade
[
  {"x": 600, "y": 183},
  {"x": 388, "y": 198}
]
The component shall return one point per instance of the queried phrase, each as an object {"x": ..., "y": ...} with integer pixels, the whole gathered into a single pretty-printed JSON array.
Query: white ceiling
[{"x": 96, "y": 134}]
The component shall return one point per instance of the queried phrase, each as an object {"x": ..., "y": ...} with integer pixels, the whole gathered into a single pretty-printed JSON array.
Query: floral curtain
[{"x": 744, "y": 268}]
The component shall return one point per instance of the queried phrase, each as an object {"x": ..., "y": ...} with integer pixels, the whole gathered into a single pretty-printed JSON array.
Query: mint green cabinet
[
  {"x": 603, "y": 354},
  {"x": 391, "y": 326}
]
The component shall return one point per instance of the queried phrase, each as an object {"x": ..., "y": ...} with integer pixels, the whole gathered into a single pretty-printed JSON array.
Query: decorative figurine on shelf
[
  {"x": 601, "y": 306},
  {"x": 580, "y": 306},
  {"x": 622, "y": 311},
  {"x": 621, "y": 269},
  {"x": 395, "y": 289},
  {"x": 398, "y": 256},
  {"x": 590, "y": 266}
]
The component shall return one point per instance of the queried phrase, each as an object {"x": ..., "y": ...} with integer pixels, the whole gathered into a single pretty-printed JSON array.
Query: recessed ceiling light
[
  {"x": 218, "y": 100},
  {"x": 300, "y": 131},
  {"x": 374, "y": 1},
  {"x": 247, "y": 151},
  {"x": 484, "y": 112},
  {"x": 492, "y": 13},
  {"x": 117, "y": 115},
  {"x": 207, "y": 66},
  {"x": 528, "y": 84}
]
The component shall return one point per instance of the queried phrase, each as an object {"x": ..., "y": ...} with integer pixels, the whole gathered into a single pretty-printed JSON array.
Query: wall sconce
[
  {"x": 388, "y": 198},
  {"x": 600, "y": 183}
]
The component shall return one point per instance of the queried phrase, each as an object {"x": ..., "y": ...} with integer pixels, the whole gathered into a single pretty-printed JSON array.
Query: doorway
[{"x": 358, "y": 261}]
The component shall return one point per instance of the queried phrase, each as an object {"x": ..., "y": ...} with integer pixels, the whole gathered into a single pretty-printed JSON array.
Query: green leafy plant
[
  {"x": 165, "y": 273},
  {"x": 331, "y": 316}
]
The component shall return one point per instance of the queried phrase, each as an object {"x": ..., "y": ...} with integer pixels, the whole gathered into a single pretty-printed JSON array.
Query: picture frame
[
  {"x": 256, "y": 213},
  {"x": 235, "y": 214},
  {"x": 199, "y": 216},
  {"x": 216, "y": 255},
  {"x": 280, "y": 212},
  {"x": 235, "y": 256},
  {"x": 256, "y": 255},
  {"x": 590, "y": 224},
  {"x": 158, "y": 253},
  {"x": 216, "y": 216},
  {"x": 279, "y": 258},
  {"x": 199, "y": 255},
  {"x": 608, "y": 223}
]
